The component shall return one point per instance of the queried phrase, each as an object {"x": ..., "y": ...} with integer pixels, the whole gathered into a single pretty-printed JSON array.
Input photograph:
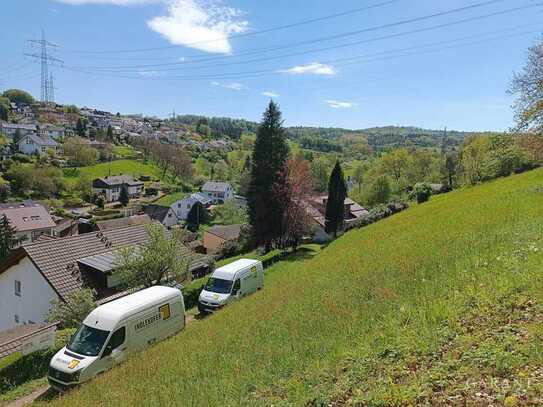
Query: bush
[
  {"x": 22, "y": 158},
  {"x": 73, "y": 202},
  {"x": 421, "y": 192},
  {"x": 378, "y": 213},
  {"x": 192, "y": 291}
]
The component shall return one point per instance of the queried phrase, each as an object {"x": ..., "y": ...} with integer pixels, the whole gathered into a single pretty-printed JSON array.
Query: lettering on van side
[{"x": 146, "y": 322}]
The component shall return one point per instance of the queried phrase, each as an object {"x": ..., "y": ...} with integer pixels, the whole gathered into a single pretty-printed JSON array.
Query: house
[
  {"x": 111, "y": 186},
  {"x": 36, "y": 274},
  {"x": 216, "y": 236},
  {"x": 104, "y": 225},
  {"x": 10, "y": 129},
  {"x": 163, "y": 214},
  {"x": 52, "y": 132},
  {"x": 183, "y": 206},
  {"x": 218, "y": 192},
  {"x": 316, "y": 208},
  {"x": 30, "y": 220},
  {"x": 34, "y": 144}
]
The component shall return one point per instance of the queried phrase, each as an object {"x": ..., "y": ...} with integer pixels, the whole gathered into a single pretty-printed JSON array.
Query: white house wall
[{"x": 36, "y": 294}]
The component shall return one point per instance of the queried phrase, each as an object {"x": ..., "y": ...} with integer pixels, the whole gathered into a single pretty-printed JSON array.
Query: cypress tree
[
  {"x": 109, "y": 134},
  {"x": 269, "y": 156},
  {"x": 335, "y": 205},
  {"x": 123, "y": 196}
]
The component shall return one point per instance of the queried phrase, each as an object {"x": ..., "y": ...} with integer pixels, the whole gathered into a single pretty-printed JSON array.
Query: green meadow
[
  {"x": 439, "y": 305},
  {"x": 135, "y": 168}
]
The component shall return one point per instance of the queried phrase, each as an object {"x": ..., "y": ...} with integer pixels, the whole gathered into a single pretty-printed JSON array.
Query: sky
[{"x": 344, "y": 63}]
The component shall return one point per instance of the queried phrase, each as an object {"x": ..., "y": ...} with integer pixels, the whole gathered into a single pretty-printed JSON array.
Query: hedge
[
  {"x": 17, "y": 368},
  {"x": 192, "y": 291}
]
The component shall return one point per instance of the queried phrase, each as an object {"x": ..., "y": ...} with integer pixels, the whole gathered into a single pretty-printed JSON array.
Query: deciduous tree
[{"x": 161, "y": 259}]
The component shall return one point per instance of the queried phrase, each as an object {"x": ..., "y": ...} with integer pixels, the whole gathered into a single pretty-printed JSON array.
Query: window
[
  {"x": 17, "y": 288},
  {"x": 116, "y": 340},
  {"x": 237, "y": 285},
  {"x": 88, "y": 341},
  {"x": 16, "y": 317}
]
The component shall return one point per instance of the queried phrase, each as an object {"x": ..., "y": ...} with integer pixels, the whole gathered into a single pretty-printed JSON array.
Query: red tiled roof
[
  {"x": 57, "y": 259},
  {"x": 25, "y": 218}
]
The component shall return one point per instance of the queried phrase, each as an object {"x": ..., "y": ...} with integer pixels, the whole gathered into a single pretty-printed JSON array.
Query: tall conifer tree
[
  {"x": 8, "y": 237},
  {"x": 269, "y": 156},
  {"x": 335, "y": 205}
]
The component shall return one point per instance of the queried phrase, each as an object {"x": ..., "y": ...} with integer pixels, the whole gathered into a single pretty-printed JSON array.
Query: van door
[
  {"x": 236, "y": 290},
  {"x": 115, "y": 350}
]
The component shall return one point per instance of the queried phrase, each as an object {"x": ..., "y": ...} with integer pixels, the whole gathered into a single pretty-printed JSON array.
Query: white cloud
[
  {"x": 335, "y": 104},
  {"x": 313, "y": 68},
  {"x": 270, "y": 94},
  {"x": 200, "y": 24},
  {"x": 232, "y": 86}
]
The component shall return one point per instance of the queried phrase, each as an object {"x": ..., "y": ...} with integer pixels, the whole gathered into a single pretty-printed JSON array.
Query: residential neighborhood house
[
  {"x": 30, "y": 220},
  {"x": 111, "y": 186},
  {"x": 163, "y": 214},
  {"x": 216, "y": 236},
  {"x": 38, "y": 273},
  {"x": 218, "y": 192},
  {"x": 316, "y": 208},
  {"x": 34, "y": 144},
  {"x": 183, "y": 206}
]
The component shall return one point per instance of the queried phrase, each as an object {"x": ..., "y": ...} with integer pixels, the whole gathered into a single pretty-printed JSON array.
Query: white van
[
  {"x": 231, "y": 282},
  {"x": 113, "y": 330}
]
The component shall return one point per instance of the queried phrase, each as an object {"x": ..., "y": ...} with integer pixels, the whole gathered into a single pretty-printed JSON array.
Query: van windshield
[
  {"x": 218, "y": 285},
  {"x": 88, "y": 341}
]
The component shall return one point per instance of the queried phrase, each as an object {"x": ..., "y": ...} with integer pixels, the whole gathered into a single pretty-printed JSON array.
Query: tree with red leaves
[{"x": 294, "y": 193}]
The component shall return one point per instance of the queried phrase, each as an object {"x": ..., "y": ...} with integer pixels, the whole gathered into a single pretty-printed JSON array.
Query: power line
[
  {"x": 311, "y": 51},
  {"x": 390, "y": 25},
  {"x": 342, "y": 62},
  {"x": 251, "y": 33}
]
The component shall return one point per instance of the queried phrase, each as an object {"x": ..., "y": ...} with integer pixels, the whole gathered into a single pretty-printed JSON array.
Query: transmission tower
[
  {"x": 51, "y": 88},
  {"x": 45, "y": 60}
]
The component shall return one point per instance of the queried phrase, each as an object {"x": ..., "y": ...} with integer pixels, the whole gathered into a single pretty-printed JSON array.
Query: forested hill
[{"x": 329, "y": 138}]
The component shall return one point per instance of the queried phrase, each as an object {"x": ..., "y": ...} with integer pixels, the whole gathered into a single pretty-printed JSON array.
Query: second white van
[
  {"x": 114, "y": 330},
  {"x": 231, "y": 282}
]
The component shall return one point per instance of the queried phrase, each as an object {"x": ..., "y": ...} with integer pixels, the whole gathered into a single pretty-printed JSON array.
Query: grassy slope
[
  {"x": 439, "y": 304},
  {"x": 116, "y": 167}
]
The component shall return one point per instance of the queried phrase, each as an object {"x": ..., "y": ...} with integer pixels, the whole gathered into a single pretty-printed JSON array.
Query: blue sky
[{"x": 211, "y": 57}]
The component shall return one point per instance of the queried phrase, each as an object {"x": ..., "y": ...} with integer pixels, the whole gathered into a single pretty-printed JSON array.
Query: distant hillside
[
  {"x": 439, "y": 305},
  {"x": 328, "y": 138}
]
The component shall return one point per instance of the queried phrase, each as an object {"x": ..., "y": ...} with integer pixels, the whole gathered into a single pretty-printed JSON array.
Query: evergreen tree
[
  {"x": 335, "y": 205},
  {"x": 80, "y": 127},
  {"x": 4, "y": 112},
  {"x": 7, "y": 238},
  {"x": 269, "y": 156},
  {"x": 123, "y": 196},
  {"x": 109, "y": 134},
  {"x": 196, "y": 216}
]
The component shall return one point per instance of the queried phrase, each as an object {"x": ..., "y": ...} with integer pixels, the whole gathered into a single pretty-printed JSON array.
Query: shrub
[
  {"x": 22, "y": 158},
  {"x": 192, "y": 291},
  {"x": 421, "y": 192},
  {"x": 73, "y": 202},
  {"x": 72, "y": 312}
]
